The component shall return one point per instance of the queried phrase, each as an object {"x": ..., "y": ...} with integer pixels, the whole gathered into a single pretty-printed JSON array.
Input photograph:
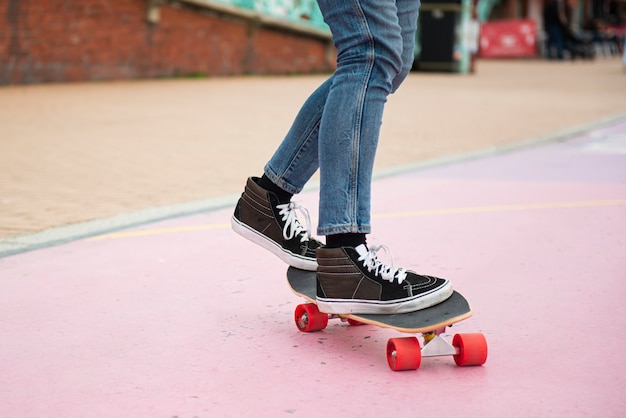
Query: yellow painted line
[
  {"x": 407, "y": 214},
  {"x": 503, "y": 208},
  {"x": 160, "y": 231}
]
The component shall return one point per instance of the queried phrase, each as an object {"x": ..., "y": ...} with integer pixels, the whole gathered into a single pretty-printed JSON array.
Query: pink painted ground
[{"x": 199, "y": 322}]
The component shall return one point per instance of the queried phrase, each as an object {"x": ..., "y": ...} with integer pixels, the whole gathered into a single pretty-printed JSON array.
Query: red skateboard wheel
[
  {"x": 472, "y": 349},
  {"x": 404, "y": 353},
  {"x": 309, "y": 319}
]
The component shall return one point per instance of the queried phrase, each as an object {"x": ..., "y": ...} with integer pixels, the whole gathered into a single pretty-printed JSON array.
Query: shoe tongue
[{"x": 362, "y": 250}]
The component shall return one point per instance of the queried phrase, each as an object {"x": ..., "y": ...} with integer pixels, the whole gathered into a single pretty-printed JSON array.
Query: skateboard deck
[
  {"x": 451, "y": 311},
  {"x": 402, "y": 353}
]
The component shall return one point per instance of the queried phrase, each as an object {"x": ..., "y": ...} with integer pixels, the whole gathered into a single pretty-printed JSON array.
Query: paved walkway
[
  {"x": 128, "y": 152},
  {"x": 167, "y": 319}
]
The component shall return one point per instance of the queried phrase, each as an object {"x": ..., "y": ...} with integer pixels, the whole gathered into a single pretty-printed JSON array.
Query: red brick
[{"x": 57, "y": 40}]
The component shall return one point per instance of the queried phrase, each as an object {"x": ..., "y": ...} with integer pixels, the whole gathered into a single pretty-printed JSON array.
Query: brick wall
[{"x": 78, "y": 40}]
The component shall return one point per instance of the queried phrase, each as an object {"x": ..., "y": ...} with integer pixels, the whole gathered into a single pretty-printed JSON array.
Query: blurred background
[{"x": 60, "y": 40}]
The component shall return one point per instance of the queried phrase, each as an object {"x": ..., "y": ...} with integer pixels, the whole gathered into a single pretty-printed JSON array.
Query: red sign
[{"x": 508, "y": 39}]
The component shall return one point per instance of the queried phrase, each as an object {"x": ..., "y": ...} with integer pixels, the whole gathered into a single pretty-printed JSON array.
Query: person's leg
[
  {"x": 296, "y": 158},
  {"x": 265, "y": 214},
  {"x": 368, "y": 39},
  {"x": 559, "y": 42},
  {"x": 374, "y": 39},
  {"x": 350, "y": 278}
]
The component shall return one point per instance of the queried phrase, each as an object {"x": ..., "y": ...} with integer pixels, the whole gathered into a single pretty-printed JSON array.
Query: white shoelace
[
  {"x": 293, "y": 227},
  {"x": 371, "y": 262}
]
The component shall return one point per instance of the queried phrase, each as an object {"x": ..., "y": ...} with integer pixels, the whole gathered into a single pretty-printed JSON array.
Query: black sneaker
[
  {"x": 353, "y": 280},
  {"x": 261, "y": 218}
]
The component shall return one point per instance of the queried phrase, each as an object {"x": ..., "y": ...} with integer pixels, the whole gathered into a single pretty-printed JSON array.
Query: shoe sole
[
  {"x": 261, "y": 240},
  {"x": 354, "y": 306}
]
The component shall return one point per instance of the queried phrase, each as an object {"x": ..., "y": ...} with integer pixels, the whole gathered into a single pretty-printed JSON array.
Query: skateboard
[{"x": 402, "y": 353}]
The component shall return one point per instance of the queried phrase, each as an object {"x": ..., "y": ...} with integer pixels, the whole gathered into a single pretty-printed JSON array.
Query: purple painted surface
[
  {"x": 176, "y": 323},
  {"x": 595, "y": 157}
]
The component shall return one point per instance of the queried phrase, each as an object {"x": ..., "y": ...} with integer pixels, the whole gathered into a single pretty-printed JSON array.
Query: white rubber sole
[
  {"x": 294, "y": 260},
  {"x": 355, "y": 306}
]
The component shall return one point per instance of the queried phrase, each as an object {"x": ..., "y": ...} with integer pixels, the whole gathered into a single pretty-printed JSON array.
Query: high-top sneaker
[
  {"x": 261, "y": 218},
  {"x": 353, "y": 280}
]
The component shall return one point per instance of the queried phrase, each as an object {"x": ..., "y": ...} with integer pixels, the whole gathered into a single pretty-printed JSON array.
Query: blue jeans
[{"x": 338, "y": 126}]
